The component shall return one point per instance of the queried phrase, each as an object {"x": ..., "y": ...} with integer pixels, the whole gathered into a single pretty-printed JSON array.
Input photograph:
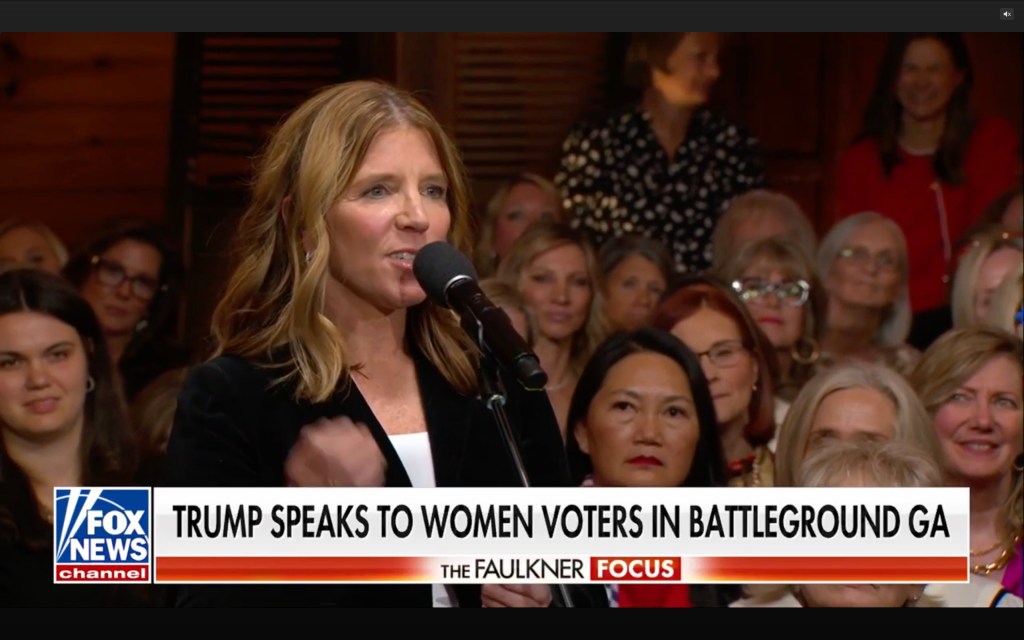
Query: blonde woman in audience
[
  {"x": 862, "y": 263},
  {"x": 739, "y": 364},
  {"x": 517, "y": 204},
  {"x": 637, "y": 271},
  {"x": 971, "y": 383},
  {"x": 31, "y": 244},
  {"x": 780, "y": 287},
  {"x": 761, "y": 214},
  {"x": 991, "y": 255},
  {"x": 556, "y": 271},
  {"x": 866, "y": 463},
  {"x": 507, "y": 296},
  {"x": 1007, "y": 308},
  {"x": 853, "y": 401}
]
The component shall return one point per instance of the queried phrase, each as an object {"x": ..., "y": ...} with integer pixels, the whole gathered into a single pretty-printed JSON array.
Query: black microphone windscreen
[{"x": 436, "y": 265}]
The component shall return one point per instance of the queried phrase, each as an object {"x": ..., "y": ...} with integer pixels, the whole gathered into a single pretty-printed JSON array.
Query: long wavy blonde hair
[
  {"x": 949, "y": 362},
  {"x": 271, "y": 310}
]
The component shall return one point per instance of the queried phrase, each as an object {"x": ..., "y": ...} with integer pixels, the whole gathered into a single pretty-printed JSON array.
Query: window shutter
[
  {"x": 247, "y": 83},
  {"x": 517, "y": 94}
]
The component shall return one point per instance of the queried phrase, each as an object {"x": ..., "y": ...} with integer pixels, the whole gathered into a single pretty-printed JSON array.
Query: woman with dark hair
[
  {"x": 642, "y": 416},
  {"x": 665, "y": 166},
  {"x": 923, "y": 160},
  {"x": 132, "y": 278},
  {"x": 740, "y": 365},
  {"x": 62, "y": 423},
  {"x": 703, "y": 469}
]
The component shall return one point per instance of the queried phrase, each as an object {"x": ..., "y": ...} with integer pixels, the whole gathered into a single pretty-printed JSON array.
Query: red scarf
[{"x": 654, "y": 595}]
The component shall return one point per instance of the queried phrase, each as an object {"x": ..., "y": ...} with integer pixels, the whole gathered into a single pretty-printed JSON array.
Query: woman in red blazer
[{"x": 925, "y": 161}]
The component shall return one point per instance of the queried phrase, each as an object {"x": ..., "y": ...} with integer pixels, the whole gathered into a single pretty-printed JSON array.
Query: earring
[
  {"x": 808, "y": 355},
  {"x": 309, "y": 257},
  {"x": 90, "y": 384},
  {"x": 1018, "y": 463},
  {"x": 141, "y": 325}
]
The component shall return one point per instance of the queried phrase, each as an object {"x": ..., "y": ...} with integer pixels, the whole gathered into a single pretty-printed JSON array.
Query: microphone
[{"x": 448, "y": 277}]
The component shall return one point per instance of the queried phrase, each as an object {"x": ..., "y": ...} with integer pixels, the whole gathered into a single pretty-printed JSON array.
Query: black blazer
[{"x": 233, "y": 428}]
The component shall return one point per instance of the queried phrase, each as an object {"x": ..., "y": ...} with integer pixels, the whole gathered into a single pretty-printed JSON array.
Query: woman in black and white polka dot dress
[{"x": 667, "y": 166}]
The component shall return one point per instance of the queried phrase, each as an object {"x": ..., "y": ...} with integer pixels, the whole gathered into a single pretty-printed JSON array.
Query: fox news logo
[{"x": 101, "y": 535}]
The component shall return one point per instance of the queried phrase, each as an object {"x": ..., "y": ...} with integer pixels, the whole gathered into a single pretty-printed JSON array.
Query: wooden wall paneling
[
  {"x": 97, "y": 46},
  {"x": 783, "y": 81},
  {"x": 110, "y": 167},
  {"x": 517, "y": 94},
  {"x": 831, "y": 143},
  {"x": 74, "y": 84},
  {"x": 75, "y": 213},
  {"x": 998, "y": 68},
  {"x": 773, "y": 87},
  {"x": 87, "y": 126},
  {"x": 84, "y": 121},
  {"x": 425, "y": 66}
]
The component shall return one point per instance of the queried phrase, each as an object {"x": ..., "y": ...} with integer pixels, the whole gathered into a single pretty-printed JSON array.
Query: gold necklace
[
  {"x": 999, "y": 543},
  {"x": 998, "y": 563}
]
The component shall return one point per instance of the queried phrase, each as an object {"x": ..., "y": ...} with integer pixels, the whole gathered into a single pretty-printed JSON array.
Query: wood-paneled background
[
  {"x": 94, "y": 125},
  {"x": 84, "y": 127}
]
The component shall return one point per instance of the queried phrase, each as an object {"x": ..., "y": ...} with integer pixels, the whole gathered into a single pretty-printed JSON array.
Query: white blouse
[{"x": 414, "y": 451}]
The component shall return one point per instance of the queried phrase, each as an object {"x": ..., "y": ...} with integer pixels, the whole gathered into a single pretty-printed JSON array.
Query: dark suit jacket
[{"x": 232, "y": 428}]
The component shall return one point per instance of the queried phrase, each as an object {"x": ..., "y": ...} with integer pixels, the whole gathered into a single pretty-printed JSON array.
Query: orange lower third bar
[
  {"x": 803, "y": 569},
  {"x": 282, "y": 569},
  {"x": 693, "y": 569}
]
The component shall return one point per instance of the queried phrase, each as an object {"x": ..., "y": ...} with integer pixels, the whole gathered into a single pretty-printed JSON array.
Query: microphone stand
[{"x": 492, "y": 394}]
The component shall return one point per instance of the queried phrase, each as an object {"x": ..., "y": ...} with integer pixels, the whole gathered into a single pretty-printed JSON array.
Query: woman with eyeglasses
[
  {"x": 130, "y": 277},
  {"x": 740, "y": 366},
  {"x": 862, "y": 262},
  {"x": 780, "y": 287}
]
